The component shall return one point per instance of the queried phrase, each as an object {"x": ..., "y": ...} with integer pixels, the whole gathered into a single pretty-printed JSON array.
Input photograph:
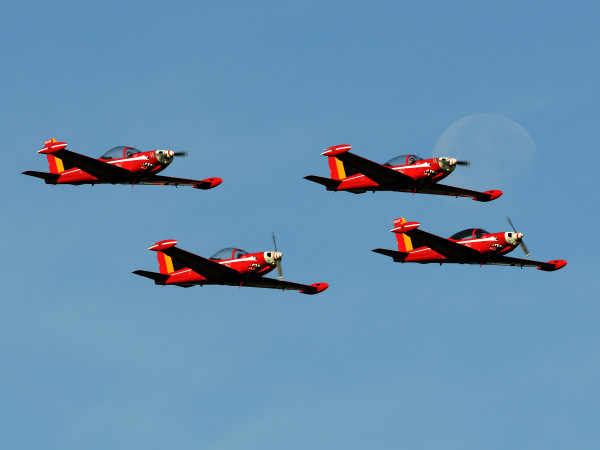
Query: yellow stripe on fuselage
[
  {"x": 169, "y": 264},
  {"x": 340, "y": 169}
]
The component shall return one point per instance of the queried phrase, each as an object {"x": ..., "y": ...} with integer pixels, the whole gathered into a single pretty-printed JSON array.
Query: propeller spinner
[
  {"x": 448, "y": 164},
  {"x": 166, "y": 156}
]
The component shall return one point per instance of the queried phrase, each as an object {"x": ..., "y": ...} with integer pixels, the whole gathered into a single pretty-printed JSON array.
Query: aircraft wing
[
  {"x": 442, "y": 189},
  {"x": 203, "y": 266},
  {"x": 445, "y": 247},
  {"x": 510, "y": 261},
  {"x": 379, "y": 173},
  {"x": 99, "y": 169},
  {"x": 270, "y": 283},
  {"x": 164, "y": 181}
]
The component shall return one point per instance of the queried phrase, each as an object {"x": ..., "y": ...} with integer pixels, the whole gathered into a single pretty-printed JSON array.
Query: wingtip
[
  {"x": 319, "y": 287},
  {"x": 209, "y": 183},
  {"x": 405, "y": 227},
  {"x": 336, "y": 150},
  {"x": 488, "y": 196},
  {"x": 163, "y": 245},
  {"x": 51, "y": 146},
  {"x": 553, "y": 265}
]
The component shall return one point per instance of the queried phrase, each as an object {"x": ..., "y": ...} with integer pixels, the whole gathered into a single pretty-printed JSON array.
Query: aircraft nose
[
  {"x": 277, "y": 256},
  {"x": 164, "y": 156},
  {"x": 519, "y": 236},
  {"x": 447, "y": 164}
]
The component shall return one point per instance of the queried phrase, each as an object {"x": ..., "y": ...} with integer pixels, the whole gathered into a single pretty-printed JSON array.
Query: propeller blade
[
  {"x": 277, "y": 262},
  {"x": 510, "y": 223},
  {"x": 184, "y": 154},
  {"x": 525, "y": 249},
  {"x": 522, "y": 243},
  {"x": 463, "y": 163}
]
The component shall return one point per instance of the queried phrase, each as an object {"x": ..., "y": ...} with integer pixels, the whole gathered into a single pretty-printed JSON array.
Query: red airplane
[
  {"x": 405, "y": 173},
  {"x": 119, "y": 165},
  {"x": 230, "y": 267},
  {"x": 470, "y": 246}
]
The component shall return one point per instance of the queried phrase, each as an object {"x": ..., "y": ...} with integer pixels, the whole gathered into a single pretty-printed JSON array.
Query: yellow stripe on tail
[
  {"x": 165, "y": 263},
  {"x": 404, "y": 241},
  {"x": 55, "y": 164},
  {"x": 341, "y": 171},
  {"x": 169, "y": 264},
  {"x": 336, "y": 168}
]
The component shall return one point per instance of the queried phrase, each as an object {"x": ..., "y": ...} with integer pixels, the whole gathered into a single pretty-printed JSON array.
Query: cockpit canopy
[
  {"x": 120, "y": 152},
  {"x": 403, "y": 160},
  {"x": 473, "y": 233},
  {"x": 229, "y": 253}
]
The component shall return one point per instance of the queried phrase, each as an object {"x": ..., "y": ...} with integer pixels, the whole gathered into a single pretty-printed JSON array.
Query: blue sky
[{"x": 392, "y": 355}]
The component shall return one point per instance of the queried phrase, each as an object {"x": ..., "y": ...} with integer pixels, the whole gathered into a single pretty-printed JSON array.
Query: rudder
[
  {"x": 167, "y": 265},
  {"x": 56, "y": 165},
  {"x": 339, "y": 170},
  {"x": 405, "y": 243}
]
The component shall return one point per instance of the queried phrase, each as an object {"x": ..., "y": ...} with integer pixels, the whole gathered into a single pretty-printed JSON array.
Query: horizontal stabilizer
[
  {"x": 159, "y": 278},
  {"x": 398, "y": 256},
  {"x": 329, "y": 183},
  {"x": 50, "y": 178}
]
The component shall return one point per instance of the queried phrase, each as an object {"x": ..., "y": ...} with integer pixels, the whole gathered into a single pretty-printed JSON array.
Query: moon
[{"x": 498, "y": 148}]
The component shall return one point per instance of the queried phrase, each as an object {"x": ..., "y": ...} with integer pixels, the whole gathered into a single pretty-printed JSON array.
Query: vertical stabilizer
[
  {"x": 165, "y": 263},
  {"x": 405, "y": 243},
  {"x": 55, "y": 164},
  {"x": 338, "y": 169}
]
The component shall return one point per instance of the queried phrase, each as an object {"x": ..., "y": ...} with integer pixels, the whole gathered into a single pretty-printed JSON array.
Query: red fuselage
[
  {"x": 425, "y": 171},
  {"x": 139, "y": 164},
  {"x": 487, "y": 244},
  {"x": 254, "y": 264}
]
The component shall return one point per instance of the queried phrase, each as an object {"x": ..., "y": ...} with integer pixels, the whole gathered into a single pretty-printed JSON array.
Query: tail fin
[
  {"x": 166, "y": 264},
  {"x": 338, "y": 169},
  {"x": 55, "y": 164},
  {"x": 405, "y": 243}
]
